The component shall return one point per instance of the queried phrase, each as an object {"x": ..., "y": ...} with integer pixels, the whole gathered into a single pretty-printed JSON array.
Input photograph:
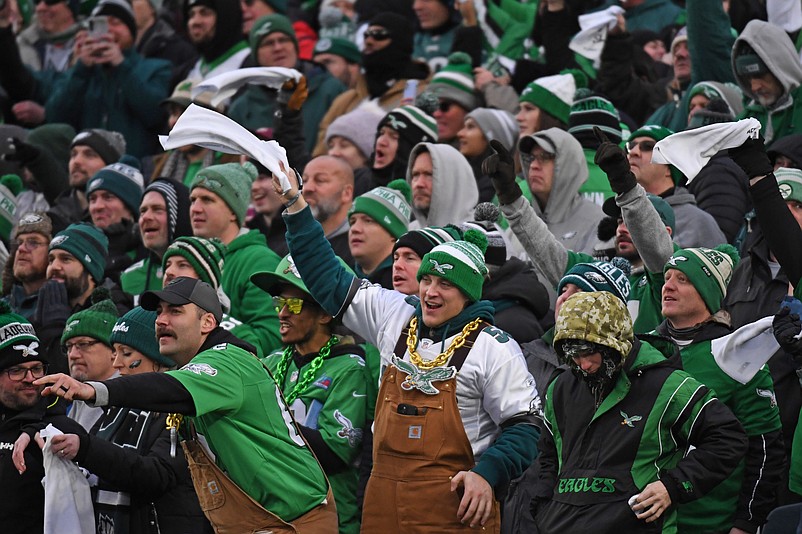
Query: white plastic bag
[{"x": 68, "y": 501}]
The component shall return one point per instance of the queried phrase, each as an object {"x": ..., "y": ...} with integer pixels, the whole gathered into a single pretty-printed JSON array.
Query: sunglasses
[
  {"x": 294, "y": 304},
  {"x": 377, "y": 34},
  {"x": 446, "y": 105},
  {"x": 647, "y": 145}
]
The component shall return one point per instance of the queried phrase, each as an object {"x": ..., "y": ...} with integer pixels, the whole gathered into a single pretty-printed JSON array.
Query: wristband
[{"x": 293, "y": 200}]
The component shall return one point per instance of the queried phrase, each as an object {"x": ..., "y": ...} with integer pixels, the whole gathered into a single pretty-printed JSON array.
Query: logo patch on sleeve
[{"x": 199, "y": 368}]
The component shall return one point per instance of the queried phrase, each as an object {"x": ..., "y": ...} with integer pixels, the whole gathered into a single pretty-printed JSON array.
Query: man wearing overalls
[{"x": 456, "y": 413}]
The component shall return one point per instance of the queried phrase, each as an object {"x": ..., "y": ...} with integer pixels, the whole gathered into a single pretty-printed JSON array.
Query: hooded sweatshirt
[
  {"x": 570, "y": 218},
  {"x": 454, "y": 191},
  {"x": 774, "y": 47},
  {"x": 227, "y": 50}
]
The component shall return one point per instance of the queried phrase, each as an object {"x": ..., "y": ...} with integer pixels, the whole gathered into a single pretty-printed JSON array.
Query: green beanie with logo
[
  {"x": 88, "y": 244},
  {"x": 388, "y": 206},
  {"x": 96, "y": 321},
  {"x": 268, "y": 24},
  {"x": 460, "y": 262},
  {"x": 709, "y": 270},
  {"x": 231, "y": 182},
  {"x": 137, "y": 329}
]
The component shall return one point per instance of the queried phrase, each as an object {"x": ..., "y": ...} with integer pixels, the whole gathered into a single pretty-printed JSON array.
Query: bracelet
[{"x": 293, "y": 200}]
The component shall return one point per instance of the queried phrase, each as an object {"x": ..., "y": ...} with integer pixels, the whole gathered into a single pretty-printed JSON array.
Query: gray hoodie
[
  {"x": 454, "y": 190},
  {"x": 569, "y": 217},
  {"x": 695, "y": 227}
]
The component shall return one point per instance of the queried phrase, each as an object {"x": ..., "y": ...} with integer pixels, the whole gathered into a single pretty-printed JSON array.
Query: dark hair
[{"x": 546, "y": 121}]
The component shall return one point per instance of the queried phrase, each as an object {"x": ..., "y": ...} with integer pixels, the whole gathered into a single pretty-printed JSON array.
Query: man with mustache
[{"x": 233, "y": 401}]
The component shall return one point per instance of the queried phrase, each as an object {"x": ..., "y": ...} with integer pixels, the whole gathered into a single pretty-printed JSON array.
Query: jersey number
[{"x": 298, "y": 440}]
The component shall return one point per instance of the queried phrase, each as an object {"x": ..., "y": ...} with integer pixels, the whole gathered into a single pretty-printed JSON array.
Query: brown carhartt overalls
[{"x": 415, "y": 456}]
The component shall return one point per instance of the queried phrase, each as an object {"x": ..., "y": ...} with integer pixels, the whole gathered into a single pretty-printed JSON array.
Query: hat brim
[
  {"x": 269, "y": 282},
  {"x": 150, "y": 299},
  {"x": 526, "y": 144}
]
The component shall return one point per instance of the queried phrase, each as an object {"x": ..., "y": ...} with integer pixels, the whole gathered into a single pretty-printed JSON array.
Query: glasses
[
  {"x": 294, "y": 304},
  {"x": 18, "y": 374},
  {"x": 542, "y": 157},
  {"x": 81, "y": 346},
  {"x": 446, "y": 105},
  {"x": 30, "y": 243},
  {"x": 377, "y": 34},
  {"x": 647, "y": 145},
  {"x": 574, "y": 349}
]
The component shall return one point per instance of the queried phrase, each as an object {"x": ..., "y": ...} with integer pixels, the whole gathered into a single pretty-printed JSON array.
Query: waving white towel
[
  {"x": 689, "y": 151},
  {"x": 589, "y": 42},
  {"x": 225, "y": 85}
]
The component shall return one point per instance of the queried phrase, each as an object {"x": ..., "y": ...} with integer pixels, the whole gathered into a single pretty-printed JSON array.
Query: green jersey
[
  {"x": 334, "y": 403},
  {"x": 240, "y": 412},
  {"x": 142, "y": 276}
]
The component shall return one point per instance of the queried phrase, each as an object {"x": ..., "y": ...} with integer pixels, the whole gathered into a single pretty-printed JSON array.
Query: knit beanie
[
  {"x": 279, "y": 6},
  {"x": 34, "y": 222},
  {"x": 338, "y": 46},
  {"x": 486, "y": 216},
  {"x": 730, "y": 93},
  {"x": 137, "y": 329},
  {"x": 110, "y": 146},
  {"x": 789, "y": 146},
  {"x": 657, "y": 133},
  {"x": 268, "y": 24},
  {"x": 750, "y": 65},
  {"x": 388, "y": 206},
  {"x": 176, "y": 198},
  {"x": 590, "y": 111},
  {"x": 496, "y": 124},
  {"x": 88, "y": 244},
  {"x": 412, "y": 124},
  {"x": 790, "y": 183},
  {"x": 400, "y": 30},
  {"x": 460, "y": 262},
  {"x": 596, "y": 317},
  {"x": 10, "y": 187},
  {"x": 231, "y": 182},
  {"x": 207, "y": 257},
  {"x": 19, "y": 342},
  {"x": 120, "y": 9},
  {"x": 55, "y": 139},
  {"x": 555, "y": 94},
  {"x": 680, "y": 37},
  {"x": 123, "y": 180},
  {"x": 612, "y": 276},
  {"x": 455, "y": 81},
  {"x": 709, "y": 270},
  {"x": 358, "y": 127},
  {"x": 423, "y": 240},
  {"x": 716, "y": 111},
  {"x": 96, "y": 321}
]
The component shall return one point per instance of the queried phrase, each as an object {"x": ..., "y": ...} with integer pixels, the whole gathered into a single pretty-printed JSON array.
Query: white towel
[
  {"x": 224, "y": 86},
  {"x": 744, "y": 352},
  {"x": 589, "y": 42},
  {"x": 689, "y": 151}
]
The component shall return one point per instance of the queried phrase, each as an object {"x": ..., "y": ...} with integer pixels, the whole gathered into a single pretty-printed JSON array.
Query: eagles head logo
[
  {"x": 785, "y": 191},
  {"x": 58, "y": 240},
  {"x": 675, "y": 259},
  {"x": 595, "y": 277}
]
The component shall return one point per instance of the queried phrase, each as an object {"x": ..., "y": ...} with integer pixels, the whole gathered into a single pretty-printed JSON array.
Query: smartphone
[{"x": 97, "y": 26}]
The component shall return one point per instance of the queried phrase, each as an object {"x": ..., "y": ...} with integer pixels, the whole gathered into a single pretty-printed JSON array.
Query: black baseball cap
[{"x": 183, "y": 290}]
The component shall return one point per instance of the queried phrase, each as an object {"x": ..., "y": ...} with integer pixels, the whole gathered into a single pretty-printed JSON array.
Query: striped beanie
[
  {"x": 19, "y": 342},
  {"x": 109, "y": 145},
  {"x": 589, "y": 111},
  {"x": 612, "y": 276},
  {"x": 10, "y": 187},
  {"x": 709, "y": 270},
  {"x": 412, "y": 124},
  {"x": 455, "y": 81},
  {"x": 496, "y": 124},
  {"x": 423, "y": 240},
  {"x": 207, "y": 257},
  {"x": 790, "y": 183},
  {"x": 137, "y": 329},
  {"x": 460, "y": 262},
  {"x": 176, "y": 198},
  {"x": 388, "y": 206},
  {"x": 555, "y": 94},
  {"x": 122, "y": 179},
  {"x": 486, "y": 215}
]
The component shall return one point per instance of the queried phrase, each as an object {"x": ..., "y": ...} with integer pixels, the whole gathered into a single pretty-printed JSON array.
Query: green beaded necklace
[{"x": 308, "y": 375}]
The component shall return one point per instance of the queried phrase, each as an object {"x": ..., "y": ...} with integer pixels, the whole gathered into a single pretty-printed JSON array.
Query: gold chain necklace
[{"x": 443, "y": 357}]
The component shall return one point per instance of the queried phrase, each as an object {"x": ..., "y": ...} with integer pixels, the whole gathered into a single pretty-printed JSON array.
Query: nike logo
[{"x": 355, "y": 394}]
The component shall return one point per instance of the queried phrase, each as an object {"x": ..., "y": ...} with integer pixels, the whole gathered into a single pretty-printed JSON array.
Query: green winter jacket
[
  {"x": 651, "y": 15},
  {"x": 144, "y": 275},
  {"x": 247, "y": 254},
  {"x": 254, "y": 107},
  {"x": 124, "y": 99}
]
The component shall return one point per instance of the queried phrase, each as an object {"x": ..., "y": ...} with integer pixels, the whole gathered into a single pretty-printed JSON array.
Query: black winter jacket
[{"x": 519, "y": 298}]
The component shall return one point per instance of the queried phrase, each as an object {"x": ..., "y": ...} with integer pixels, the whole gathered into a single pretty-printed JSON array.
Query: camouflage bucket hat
[{"x": 597, "y": 317}]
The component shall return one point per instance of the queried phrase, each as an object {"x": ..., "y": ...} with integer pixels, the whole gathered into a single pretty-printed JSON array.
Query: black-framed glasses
[
  {"x": 29, "y": 243},
  {"x": 82, "y": 346},
  {"x": 647, "y": 145},
  {"x": 18, "y": 374},
  {"x": 542, "y": 157},
  {"x": 294, "y": 304},
  {"x": 377, "y": 34}
]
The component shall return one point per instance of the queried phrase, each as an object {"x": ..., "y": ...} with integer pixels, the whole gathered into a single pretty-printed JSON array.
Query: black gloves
[
  {"x": 613, "y": 161},
  {"x": 22, "y": 151},
  {"x": 53, "y": 306},
  {"x": 787, "y": 325},
  {"x": 752, "y": 158},
  {"x": 500, "y": 167}
]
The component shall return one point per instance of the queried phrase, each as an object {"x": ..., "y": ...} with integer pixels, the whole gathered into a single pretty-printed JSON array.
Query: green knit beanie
[
  {"x": 455, "y": 81},
  {"x": 338, "y": 46},
  {"x": 18, "y": 341},
  {"x": 790, "y": 183},
  {"x": 460, "y": 262},
  {"x": 137, "y": 329},
  {"x": 96, "y": 321},
  {"x": 205, "y": 255},
  {"x": 657, "y": 133},
  {"x": 709, "y": 270},
  {"x": 268, "y": 24},
  {"x": 88, "y": 244},
  {"x": 555, "y": 94},
  {"x": 388, "y": 206},
  {"x": 231, "y": 182}
]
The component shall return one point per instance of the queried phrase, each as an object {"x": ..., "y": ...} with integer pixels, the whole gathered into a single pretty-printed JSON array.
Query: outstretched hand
[
  {"x": 500, "y": 167},
  {"x": 292, "y": 198},
  {"x": 65, "y": 386},
  {"x": 612, "y": 159}
]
